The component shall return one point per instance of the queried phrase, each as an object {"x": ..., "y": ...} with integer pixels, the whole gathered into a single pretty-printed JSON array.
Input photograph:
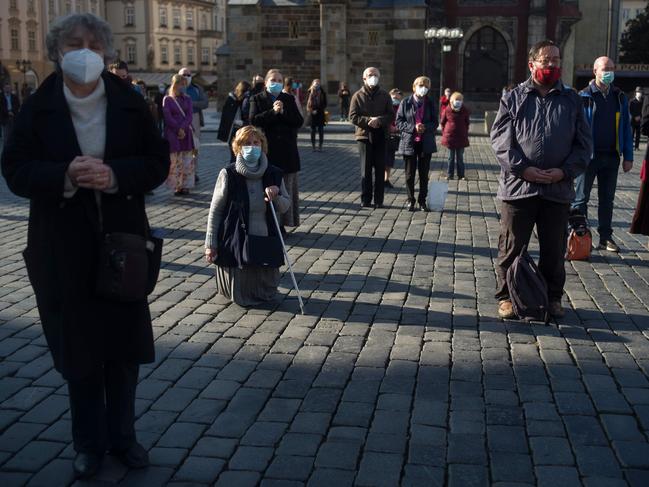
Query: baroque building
[
  {"x": 336, "y": 39},
  {"x": 157, "y": 37}
]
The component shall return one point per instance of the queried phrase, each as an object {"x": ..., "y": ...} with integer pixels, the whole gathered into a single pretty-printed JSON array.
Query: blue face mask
[
  {"x": 274, "y": 88},
  {"x": 251, "y": 153},
  {"x": 295, "y": 86},
  {"x": 608, "y": 77}
]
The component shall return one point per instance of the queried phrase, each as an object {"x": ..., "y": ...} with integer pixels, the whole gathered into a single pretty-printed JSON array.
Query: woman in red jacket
[{"x": 455, "y": 134}]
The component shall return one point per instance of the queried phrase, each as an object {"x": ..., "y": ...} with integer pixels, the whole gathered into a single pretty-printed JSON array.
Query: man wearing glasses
[{"x": 543, "y": 142}]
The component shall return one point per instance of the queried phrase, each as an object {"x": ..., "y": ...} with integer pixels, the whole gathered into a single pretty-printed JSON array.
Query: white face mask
[
  {"x": 188, "y": 79},
  {"x": 447, "y": 94},
  {"x": 372, "y": 81},
  {"x": 457, "y": 104},
  {"x": 82, "y": 66},
  {"x": 638, "y": 96},
  {"x": 421, "y": 91}
]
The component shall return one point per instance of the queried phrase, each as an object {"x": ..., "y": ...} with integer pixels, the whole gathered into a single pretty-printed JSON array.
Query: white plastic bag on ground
[{"x": 437, "y": 191}]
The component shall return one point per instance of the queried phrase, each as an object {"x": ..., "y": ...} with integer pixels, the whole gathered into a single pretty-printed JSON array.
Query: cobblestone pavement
[{"x": 399, "y": 373}]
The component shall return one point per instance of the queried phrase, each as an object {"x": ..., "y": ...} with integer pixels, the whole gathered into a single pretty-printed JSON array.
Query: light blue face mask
[
  {"x": 251, "y": 154},
  {"x": 608, "y": 77},
  {"x": 275, "y": 88}
]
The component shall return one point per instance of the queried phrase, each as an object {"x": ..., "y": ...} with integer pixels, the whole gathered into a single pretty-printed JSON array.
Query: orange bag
[{"x": 580, "y": 240}]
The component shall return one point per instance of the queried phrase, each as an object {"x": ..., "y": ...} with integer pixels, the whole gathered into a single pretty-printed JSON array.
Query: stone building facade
[
  {"x": 336, "y": 39},
  {"x": 160, "y": 36}
]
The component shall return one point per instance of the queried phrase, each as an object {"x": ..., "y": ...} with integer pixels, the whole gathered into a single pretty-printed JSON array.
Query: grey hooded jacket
[{"x": 545, "y": 132}]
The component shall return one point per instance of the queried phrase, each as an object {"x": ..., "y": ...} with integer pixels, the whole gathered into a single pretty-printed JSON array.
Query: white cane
[{"x": 288, "y": 260}]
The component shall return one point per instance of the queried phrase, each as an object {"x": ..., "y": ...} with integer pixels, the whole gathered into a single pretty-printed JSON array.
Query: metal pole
[
  {"x": 288, "y": 260},
  {"x": 441, "y": 69}
]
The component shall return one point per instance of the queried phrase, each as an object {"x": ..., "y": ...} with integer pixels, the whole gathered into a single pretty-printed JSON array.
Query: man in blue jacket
[
  {"x": 607, "y": 111},
  {"x": 542, "y": 142}
]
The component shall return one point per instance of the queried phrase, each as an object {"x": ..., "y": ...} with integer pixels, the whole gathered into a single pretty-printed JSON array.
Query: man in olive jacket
[
  {"x": 372, "y": 113},
  {"x": 543, "y": 142}
]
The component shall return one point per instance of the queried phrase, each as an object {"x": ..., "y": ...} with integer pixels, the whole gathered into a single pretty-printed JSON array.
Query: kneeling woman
[{"x": 242, "y": 237}]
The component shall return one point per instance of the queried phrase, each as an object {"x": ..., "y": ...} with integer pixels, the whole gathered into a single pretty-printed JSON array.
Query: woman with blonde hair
[
  {"x": 177, "y": 111},
  {"x": 242, "y": 238},
  {"x": 417, "y": 122},
  {"x": 455, "y": 134}
]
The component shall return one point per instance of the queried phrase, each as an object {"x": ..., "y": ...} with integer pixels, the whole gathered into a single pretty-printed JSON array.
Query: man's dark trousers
[
  {"x": 372, "y": 159},
  {"x": 102, "y": 406},
  {"x": 605, "y": 167},
  {"x": 517, "y": 220},
  {"x": 636, "y": 135}
]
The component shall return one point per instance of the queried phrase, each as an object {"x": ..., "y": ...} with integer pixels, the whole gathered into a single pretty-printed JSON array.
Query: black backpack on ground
[{"x": 528, "y": 290}]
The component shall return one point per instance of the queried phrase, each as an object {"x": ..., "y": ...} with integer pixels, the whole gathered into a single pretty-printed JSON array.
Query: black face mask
[{"x": 259, "y": 87}]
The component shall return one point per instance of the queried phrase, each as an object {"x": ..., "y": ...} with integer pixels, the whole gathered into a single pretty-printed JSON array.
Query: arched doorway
[{"x": 486, "y": 63}]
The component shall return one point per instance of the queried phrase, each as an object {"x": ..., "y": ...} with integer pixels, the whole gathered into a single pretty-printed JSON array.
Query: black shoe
[
  {"x": 366, "y": 205},
  {"x": 411, "y": 207},
  {"x": 608, "y": 245},
  {"x": 388, "y": 184},
  {"x": 196, "y": 178},
  {"x": 379, "y": 205},
  {"x": 133, "y": 457},
  {"x": 424, "y": 207},
  {"x": 449, "y": 177},
  {"x": 86, "y": 465}
]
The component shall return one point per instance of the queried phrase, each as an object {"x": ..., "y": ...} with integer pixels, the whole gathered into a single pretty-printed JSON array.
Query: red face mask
[{"x": 547, "y": 76}]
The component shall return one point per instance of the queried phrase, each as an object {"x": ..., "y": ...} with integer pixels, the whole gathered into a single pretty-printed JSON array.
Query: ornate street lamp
[
  {"x": 445, "y": 35},
  {"x": 24, "y": 65}
]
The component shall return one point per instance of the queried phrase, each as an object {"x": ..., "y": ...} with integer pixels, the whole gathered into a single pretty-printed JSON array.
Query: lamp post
[
  {"x": 24, "y": 65},
  {"x": 445, "y": 35}
]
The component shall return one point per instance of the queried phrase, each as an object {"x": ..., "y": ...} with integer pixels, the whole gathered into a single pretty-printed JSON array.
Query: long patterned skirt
[
  {"x": 182, "y": 172},
  {"x": 248, "y": 286}
]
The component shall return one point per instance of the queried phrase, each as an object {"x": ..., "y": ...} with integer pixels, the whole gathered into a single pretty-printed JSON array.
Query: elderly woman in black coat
[
  {"x": 84, "y": 151},
  {"x": 277, "y": 114}
]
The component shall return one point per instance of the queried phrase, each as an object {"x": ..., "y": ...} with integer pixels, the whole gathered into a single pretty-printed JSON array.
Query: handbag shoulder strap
[{"x": 178, "y": 105}]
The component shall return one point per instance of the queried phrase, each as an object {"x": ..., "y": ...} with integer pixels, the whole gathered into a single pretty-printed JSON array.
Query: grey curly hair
[{"x": 63, "y": 27}]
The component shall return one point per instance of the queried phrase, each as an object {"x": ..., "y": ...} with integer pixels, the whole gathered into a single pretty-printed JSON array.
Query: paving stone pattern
[{"x": 399, "y": 373}]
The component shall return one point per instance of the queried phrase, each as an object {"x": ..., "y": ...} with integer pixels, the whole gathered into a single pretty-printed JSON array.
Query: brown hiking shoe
[
  {"x": 556, "y": 310},
  {"x": 506, "y": 310}
]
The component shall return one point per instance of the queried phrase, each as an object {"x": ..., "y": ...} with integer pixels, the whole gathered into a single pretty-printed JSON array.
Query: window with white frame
[
  {"x": 30, "y": 6},
  {"x": 164, "y": 54},
  {"x": 190, "y": 53},
  {"x": 68, "y": 6},
  {"x": 178, "y": 54},
  {"x": 162, "y": 14},
  {"x": 31, "y": 40},
  {"x": 93, "y": 7},
  {"x": 205, "y": 55},
  {"x": 13, "y": 4},
  {"x": 77, "y": 6},
  {"x": 189, "y": 19},
  {"x": 203, "y": 22},
  {"x": 131, "y": 53},
  {"x": 176, "y": 17},
  {"x": 129, "y": 15},
  {"x": 15, "y": 39}
]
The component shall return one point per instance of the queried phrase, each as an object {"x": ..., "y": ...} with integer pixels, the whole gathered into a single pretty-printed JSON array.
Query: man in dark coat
[
  {"x": 9, "y": 108},
  {"x": 75, "y": 198},
  {"x": 372, "y": 113},
  {"x": 277, "y": 114},
  {"x": 542, "y": 141}
]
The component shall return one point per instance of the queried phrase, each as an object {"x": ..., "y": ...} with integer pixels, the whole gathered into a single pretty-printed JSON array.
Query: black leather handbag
[
  {"x": 128, "y": 265},
  {"x": 263, "y": 251}
]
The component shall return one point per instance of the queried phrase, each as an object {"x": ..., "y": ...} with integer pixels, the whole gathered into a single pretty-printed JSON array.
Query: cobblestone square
[{"x": 399, "y": 373}]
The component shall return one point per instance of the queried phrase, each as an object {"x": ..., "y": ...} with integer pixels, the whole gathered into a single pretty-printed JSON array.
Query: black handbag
[
  {"x": 263, "y": 251},
  {"x": 128, "y": 265}
]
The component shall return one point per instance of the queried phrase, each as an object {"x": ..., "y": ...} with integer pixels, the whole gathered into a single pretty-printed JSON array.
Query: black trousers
[
  {"x": 417, "y": 163},
  {"x": 372, "y": 159},
  {"x": 517, "y": 220},
  {"x": 102, "y": 406},
  {"x": 636, "y": 135},
  {"x": 320, "y": 129}
]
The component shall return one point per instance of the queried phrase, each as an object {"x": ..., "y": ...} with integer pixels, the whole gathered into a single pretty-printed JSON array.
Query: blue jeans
[
  {"x": 455, "y": 155},
  {"x": 605, "y": 167}
]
